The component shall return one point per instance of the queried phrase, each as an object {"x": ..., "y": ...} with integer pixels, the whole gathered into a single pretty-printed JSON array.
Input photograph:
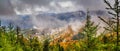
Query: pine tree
[
  {"x": 90, "y": 31},
  {"x": 114, "y": 21}
]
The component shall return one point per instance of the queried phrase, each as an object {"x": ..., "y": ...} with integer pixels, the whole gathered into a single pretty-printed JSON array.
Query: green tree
[
  {"x": 114, "y": 21},
  {"x": 90, "y": 31}
]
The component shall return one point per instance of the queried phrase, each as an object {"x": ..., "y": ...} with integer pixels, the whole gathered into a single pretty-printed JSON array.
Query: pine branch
[
  {"x": 113, "y": 18},
  {"x": 112, "y": 13},
  {"x": 103, "y": 20},
  {"x": 108, "y": 4}
]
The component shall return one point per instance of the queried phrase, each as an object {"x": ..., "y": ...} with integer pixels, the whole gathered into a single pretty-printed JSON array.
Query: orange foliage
[{"x": 64, "y": 38}]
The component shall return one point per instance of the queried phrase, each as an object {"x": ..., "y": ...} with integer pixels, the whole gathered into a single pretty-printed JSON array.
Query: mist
[{"x": 25, "y": 13}]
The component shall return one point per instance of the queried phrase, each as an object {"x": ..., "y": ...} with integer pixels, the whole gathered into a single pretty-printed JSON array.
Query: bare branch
[
  {"x": 108, "y": 4},
  {"x": 103, "y": 20},
  {"x": 112, "y": 13}
]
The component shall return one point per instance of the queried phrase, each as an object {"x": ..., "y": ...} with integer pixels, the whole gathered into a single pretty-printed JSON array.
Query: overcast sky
[
  {"x": 8, "y": 7},
  {"x": 18, "y": 7}
]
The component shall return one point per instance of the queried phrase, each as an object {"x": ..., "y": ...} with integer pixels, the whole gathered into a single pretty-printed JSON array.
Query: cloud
[
  {"x": 6, "y": 7},
  {"x": 31, "y": 6},
  {"x": 58, "y": 5},
  {"x": 22, "y": 5},
  {"x": 91, "y": 4},
  {"x": 9, "y": 6},
  {"x": 45, "y": 5},
  {"x": 35, "y": 2},
  {"x": 63, "y": 6}
]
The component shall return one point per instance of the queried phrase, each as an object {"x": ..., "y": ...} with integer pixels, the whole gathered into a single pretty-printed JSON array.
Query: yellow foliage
[
  {"x": 108, "y": 36},
  {"x": 65, "y": 45}
]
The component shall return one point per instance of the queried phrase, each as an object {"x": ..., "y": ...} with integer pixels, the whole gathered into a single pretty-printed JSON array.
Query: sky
[{"x": 11, "y": 7}]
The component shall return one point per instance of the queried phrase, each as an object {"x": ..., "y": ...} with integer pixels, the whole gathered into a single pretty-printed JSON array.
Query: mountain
[
  {"x": 68, "y": 16},
  {"x": 48, "y": 20}
]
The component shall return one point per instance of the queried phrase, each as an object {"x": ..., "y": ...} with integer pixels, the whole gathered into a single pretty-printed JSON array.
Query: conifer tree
[
  {"x": 114, "y": 21},
  {"x": 89, "y": 31}
]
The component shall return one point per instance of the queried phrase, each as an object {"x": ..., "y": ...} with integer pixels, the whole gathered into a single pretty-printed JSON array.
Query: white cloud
[
  {"x": 42, "y": 8},
  {"x": 50, "y": 5},
  {"x": 25, "y": 11},
  {"x": 63, "y": 6},
  {"x": 66, "y": 4}
]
